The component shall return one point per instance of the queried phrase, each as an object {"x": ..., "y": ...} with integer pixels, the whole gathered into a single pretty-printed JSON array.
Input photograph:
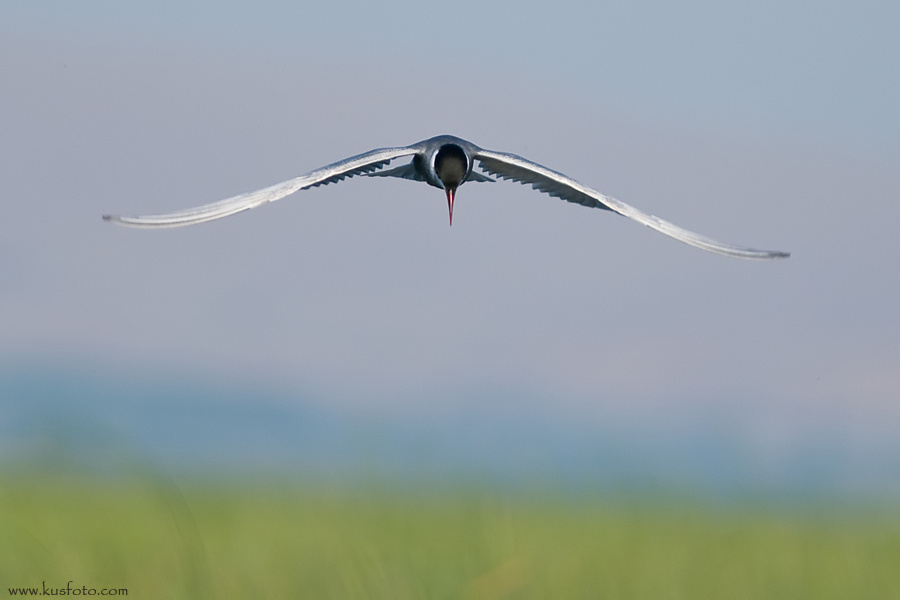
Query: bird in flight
[{"x": 445, "y": 162}]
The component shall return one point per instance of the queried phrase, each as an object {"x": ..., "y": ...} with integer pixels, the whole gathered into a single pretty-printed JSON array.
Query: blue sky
[{"x": 768, "y": 125}]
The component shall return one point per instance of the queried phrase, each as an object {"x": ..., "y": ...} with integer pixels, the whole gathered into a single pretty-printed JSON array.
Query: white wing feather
[
  {"x": 355, "y": 165},
  {"x": 516, "y": 168}
]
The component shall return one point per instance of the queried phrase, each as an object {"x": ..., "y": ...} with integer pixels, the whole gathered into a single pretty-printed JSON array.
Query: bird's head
[{"x": 451, "y": 166}]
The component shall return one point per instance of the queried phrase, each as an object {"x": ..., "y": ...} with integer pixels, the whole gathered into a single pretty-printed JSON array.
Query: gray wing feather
[
  {"x": 355, "y": 165},
  {"x": 516, "y": 168},
  {"x": 475, "y": 176},
  {"x": 403, "y": 172}
]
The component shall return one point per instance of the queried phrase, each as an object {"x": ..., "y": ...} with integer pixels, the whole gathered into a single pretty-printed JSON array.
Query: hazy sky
[{"x": 770, "y": 125}]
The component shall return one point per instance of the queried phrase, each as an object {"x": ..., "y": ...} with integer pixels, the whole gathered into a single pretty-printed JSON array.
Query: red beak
[{"x": 450, "y": 192}]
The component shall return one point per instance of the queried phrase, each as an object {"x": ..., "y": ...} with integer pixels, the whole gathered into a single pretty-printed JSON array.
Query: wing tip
[
  {"x": 748, "y": 253},
  {"x": 124, "y": 221},
  {"x": 128, "y": 221},
  {"x": 771, "y": 254}
]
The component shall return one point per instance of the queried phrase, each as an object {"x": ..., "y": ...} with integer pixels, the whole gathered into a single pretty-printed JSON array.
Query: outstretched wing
[
  {"x": 355, "y": 165},
  {"x": 516, "y": 168}
]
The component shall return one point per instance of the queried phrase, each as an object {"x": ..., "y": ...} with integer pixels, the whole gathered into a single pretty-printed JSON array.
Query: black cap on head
[{"x": 451, "y": 165}]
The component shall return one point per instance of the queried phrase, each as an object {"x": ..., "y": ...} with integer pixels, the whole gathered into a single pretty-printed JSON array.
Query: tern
[{"x": 445, "y": 162}]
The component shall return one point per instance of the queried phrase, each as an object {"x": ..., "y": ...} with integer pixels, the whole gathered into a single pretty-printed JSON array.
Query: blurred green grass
[{"x": 206, "y": 540}]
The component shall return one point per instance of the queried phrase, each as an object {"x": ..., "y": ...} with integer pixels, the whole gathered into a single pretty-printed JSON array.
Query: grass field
[{"x": 158, "y": 540}]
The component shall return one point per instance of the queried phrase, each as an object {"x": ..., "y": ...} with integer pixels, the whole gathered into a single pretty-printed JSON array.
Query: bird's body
[{"x": 444, "y": 162}]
